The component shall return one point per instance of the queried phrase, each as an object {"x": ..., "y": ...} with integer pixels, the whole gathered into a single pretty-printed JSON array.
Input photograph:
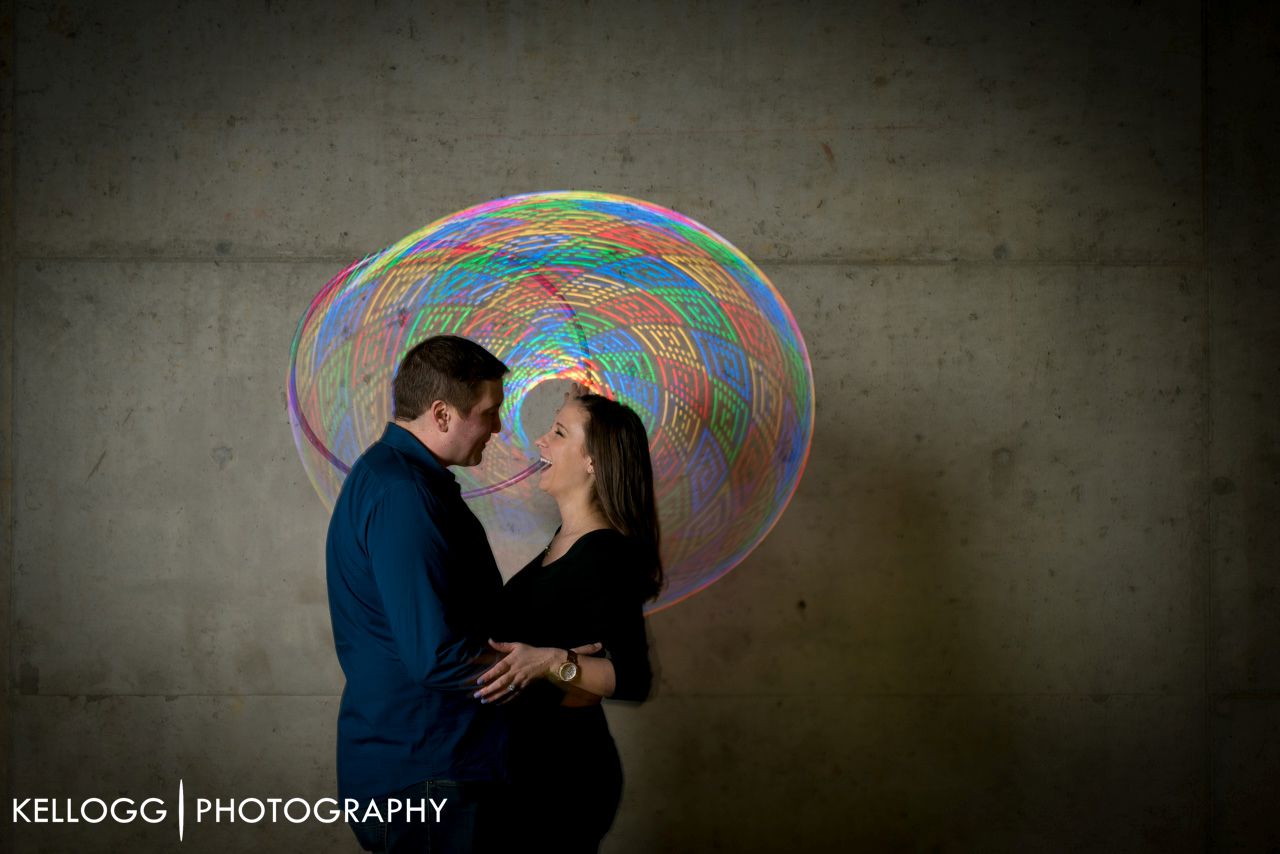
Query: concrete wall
[{"x": 1026, "y": 595}]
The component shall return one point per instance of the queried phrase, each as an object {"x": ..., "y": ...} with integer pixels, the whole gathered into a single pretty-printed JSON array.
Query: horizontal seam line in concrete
[
  {"x": 707, "y": 131},
  {"x": 218, "y": 119},
  {"x": 1192, "y": 264}
]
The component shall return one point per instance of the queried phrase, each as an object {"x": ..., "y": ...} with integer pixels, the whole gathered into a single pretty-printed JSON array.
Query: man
[{"x": 411, "y": 581}]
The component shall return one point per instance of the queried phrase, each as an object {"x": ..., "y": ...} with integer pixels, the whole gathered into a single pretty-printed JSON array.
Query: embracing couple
[{"x": 475, "y": 703}]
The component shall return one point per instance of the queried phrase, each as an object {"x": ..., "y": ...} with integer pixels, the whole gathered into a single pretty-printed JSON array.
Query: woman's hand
[{"x": 520, "y": 665}]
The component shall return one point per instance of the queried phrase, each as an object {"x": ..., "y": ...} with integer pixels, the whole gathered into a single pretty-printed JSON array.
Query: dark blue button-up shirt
[{"x": 412, "y": 586}]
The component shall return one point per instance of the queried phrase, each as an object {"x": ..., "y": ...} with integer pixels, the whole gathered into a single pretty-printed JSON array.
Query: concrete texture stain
[
  {"x": 61, "y": 23},
  {"x": 28, "y": 679},
  {"x": 96, "y": 465},
  {"x": 253, "y": 664},
  {"x": 1001, "y": 471}
]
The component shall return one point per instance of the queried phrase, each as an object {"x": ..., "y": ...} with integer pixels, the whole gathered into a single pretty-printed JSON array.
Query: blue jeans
[{"x": 469, "y": 820}]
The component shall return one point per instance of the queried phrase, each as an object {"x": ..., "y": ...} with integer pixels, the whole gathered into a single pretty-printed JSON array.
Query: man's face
[{"x": 474, "y": 429}]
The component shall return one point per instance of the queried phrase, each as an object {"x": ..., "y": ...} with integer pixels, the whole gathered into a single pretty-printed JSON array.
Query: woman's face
[{"x": 564, "y": 448}]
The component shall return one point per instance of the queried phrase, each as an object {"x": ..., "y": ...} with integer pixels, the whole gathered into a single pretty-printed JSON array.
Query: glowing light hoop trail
[{"x": 633, "y": 300}]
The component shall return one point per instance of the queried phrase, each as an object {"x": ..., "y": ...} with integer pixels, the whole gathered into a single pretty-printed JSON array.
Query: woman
[{"x": 587, "y": 587}]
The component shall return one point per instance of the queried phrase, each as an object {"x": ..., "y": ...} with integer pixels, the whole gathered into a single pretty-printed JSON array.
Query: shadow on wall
[
  {"x": 816, "y": 697},
  {"x": 881, "y": 675}
]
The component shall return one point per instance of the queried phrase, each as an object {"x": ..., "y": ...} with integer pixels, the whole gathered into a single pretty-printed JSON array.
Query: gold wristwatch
[{"x": 568, "y": 670}]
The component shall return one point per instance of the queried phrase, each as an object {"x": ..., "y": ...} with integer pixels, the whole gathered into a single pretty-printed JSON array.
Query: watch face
[{"x": 568, "y": 671}]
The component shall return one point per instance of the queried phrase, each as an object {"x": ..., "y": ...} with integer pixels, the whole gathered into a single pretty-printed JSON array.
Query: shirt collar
[{"x": 409, "y": 445}]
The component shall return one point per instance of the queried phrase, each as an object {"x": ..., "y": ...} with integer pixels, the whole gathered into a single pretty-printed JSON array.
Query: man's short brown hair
[{"x": 443, "y": 367}]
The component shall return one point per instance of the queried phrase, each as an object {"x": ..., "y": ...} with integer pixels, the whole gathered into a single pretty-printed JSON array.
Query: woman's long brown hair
[{"x": 619, "y": 451}]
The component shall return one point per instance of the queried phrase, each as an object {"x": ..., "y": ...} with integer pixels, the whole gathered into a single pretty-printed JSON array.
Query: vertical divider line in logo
[{"x": 181, "y": 812}]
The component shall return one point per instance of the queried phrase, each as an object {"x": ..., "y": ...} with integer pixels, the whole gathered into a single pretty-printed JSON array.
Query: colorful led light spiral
[{"x": 633, "y": 300}]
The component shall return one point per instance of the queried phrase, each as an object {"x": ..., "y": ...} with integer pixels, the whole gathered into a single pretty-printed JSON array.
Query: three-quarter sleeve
[
  {"x": 628, "y": 649},
  {"x": 623, "y": 635}
]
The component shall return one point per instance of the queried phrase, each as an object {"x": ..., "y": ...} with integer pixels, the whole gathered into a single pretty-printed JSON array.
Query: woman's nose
[{"x": 540, "y": 442}]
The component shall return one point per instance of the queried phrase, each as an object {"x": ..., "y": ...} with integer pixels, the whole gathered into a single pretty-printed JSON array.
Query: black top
[{"x": 594, "y": 592}]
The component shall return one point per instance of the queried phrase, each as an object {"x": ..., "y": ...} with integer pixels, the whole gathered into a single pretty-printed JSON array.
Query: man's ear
[{"x": 440, "y": 415}]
